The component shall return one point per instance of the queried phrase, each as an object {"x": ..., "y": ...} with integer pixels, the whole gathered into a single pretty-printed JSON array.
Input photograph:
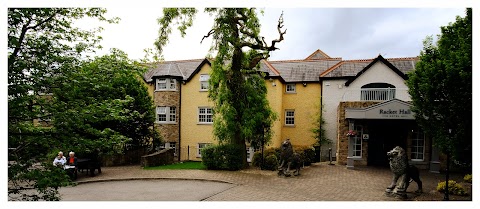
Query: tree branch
[
  {"x": 208, "y": 35},
  {"x": 25, "y": 28}
]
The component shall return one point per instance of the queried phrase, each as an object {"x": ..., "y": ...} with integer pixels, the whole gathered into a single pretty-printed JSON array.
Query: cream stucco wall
[
  {"x": 333, "y": 91},
  {"x": 306, "y": 103},
  {"x": 379, "y": 72},
  {"x": 191, "y": 132}
]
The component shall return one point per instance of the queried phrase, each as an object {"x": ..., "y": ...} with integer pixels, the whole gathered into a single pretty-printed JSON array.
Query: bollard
[{"x": 330, "y": 155}]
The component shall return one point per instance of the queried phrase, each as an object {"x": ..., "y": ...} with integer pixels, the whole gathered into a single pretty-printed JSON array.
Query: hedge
[{"x": 222, "y": 157}]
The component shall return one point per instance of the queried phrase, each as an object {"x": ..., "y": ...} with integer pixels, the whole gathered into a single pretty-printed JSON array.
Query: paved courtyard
[{"x": 318, "y": 182}]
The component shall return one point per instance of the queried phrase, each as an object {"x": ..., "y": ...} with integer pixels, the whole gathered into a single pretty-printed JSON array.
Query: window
[
  {"x": 166, "y": 114},
  {"x": 173, "y": 145},
  {"x": 289, "y": 117},
  {"x": 357, "y": 141},
  {"x": 377, "y": 92},
  {"x": 204, "y": 82},
  {"x": 249, "y": 157},
  {"x": 165, "y": 84},
  {"x": 200, "y": 147},
  {"x": 418, "y": 146},
  {"x": 205, "y": 115},
  {"x": 290, "y": 88}
]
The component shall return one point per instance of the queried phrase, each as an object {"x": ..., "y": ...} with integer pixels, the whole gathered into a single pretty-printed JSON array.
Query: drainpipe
[
  {"x": 321, "y": 116},
  {"x": 179, "y": 120}
]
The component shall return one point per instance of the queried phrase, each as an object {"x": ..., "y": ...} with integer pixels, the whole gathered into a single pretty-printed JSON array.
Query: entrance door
[{"x": 384, "y": 136}]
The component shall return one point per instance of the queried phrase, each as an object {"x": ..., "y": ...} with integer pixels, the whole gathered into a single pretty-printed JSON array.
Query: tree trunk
[{"x": 236, "y": 85}]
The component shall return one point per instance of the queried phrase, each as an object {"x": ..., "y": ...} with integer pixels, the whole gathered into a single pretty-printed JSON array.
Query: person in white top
[{"x": 60, "y": 160}]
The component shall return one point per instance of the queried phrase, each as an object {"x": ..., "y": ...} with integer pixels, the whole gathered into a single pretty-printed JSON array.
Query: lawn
[{"x": 178, "y": 166}]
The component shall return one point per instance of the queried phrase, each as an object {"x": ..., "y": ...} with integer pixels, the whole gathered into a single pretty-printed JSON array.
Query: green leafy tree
[
  {"x": 42, "y": 43},
  {"x": 104, "y": 107},
  {"x": 237, "y": 89},
  {"x": 441, "y": 89}
]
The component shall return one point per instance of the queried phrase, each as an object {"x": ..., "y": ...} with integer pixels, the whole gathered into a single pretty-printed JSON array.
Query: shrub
[
  {"x": 453, "y": 188},
  {"x": 468, "y": 178},
  {"x": 257, "y": 159},
  {"x": 222, "y": 157},
  {"x": 307, "y": 154},
  {"x": 271, "y": 163}
]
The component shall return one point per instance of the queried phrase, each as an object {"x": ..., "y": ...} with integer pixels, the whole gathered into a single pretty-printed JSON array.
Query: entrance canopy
[{"x": 392, "y": 109}]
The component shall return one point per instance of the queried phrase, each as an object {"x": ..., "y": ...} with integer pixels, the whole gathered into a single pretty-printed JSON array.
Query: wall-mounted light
[
  {"x": 272, "y": 81},
  {"x": 304, "y": 84}
]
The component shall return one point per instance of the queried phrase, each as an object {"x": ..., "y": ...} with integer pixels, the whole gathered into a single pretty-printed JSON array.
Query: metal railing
[{"x": 376, "y": 94}]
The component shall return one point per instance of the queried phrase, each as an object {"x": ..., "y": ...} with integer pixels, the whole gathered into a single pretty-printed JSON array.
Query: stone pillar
[{"x": 435, "y": 159}]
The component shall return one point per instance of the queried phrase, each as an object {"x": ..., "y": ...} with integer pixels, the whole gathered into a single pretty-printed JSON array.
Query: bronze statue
[{"x": 288, "y": 159}]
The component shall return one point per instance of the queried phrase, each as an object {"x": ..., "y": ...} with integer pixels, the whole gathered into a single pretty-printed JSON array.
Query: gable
[{"x": 379, "y": 70}]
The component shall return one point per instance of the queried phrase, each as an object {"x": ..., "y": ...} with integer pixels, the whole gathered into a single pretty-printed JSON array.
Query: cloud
[{"x": 350, "y": 33}]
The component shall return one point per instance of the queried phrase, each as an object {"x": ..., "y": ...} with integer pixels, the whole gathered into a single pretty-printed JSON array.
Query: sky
[{"x": 350, "y": 33}]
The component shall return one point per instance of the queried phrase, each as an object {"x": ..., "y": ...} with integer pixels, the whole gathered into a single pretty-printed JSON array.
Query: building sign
[
  {"x": 392, "y": 109},
  {"x": 399, "y": 113}
]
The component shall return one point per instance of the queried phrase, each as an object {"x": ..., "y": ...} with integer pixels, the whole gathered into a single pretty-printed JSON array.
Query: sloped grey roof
[
  {"x": 302, "y": 70},
  {"x": 353, "y": 67},
  {"x": 181, "y": 68}
]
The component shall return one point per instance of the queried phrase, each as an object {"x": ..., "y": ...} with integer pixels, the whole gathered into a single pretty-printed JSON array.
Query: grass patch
[{"x": 179, "y": 166}]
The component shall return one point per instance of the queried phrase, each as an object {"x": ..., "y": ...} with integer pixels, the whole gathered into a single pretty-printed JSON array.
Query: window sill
[
  {"x": 203, "y": 90},
  {"x": 204, "y": 123},
  {"x": 290, "y": 126},
  {"x": 293, "y": 92},
  {"x": 165, "y": 90},
  {"x": 166, "y": 123}
]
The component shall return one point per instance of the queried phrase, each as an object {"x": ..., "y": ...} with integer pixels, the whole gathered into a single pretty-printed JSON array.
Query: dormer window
[{"x": 166, "y": 84}]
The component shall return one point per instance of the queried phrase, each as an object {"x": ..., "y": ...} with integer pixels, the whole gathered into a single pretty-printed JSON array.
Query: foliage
[
  {"x": 468, "y": 178},
  {"x": 307, "y": 154},
  {"x": 319, "y": 132},
  {"x": 222, "y": 157},
  {"x": 42, "y": 44},
  {"x": 257, "y": 159},
  {"x": 104, "y": 106},
  {"x": 271, "y": 163},
  {"x": 441, "y": 89},
  {"x": 190, "y": 165},
  {"x": 453, "y": 188},
  {"x": 241, "y": 110}
]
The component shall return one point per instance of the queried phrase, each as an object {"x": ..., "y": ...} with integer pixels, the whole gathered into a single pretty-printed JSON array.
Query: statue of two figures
[
  {"x": 403, "y": 174},
  {"x": 288, "y": 160}
]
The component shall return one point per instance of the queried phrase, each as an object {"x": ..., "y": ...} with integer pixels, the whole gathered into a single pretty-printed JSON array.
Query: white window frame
[
  {"x": 289, "y": 117},
  {"x": 170, "y": 84},
  {"x": 417, "y": 136},
  {"x": 357, "y": 140},
  {"x": 174, "y": 147},
  {"x": 292, "y": 89},
  {"x": 206, "y": 114},
  {"x": 204, "y": 82},
  {"x": 169, "y": 113},
  {"x": 200, "y": 146}
]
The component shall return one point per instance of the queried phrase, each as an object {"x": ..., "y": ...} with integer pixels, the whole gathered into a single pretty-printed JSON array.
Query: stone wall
[
  {"x": 163, "y": 157},
  {"x": 342, "y": 138},
  {"x": 169, "y": 131}
]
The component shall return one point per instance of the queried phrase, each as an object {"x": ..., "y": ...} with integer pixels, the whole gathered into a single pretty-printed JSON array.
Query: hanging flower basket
[{"x": 351, "y": 133}]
